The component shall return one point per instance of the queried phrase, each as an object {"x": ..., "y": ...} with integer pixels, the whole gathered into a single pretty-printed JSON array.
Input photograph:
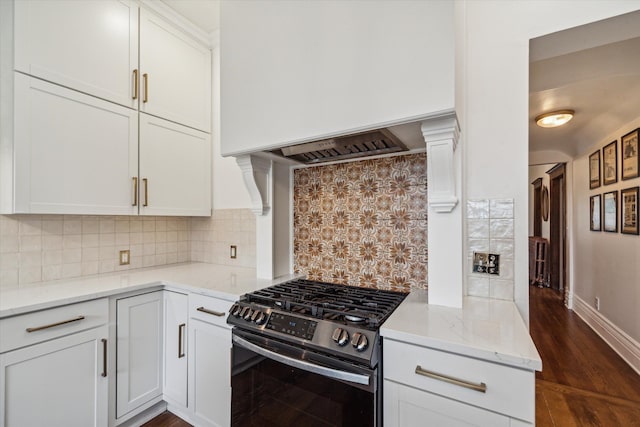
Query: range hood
[{"x": 364, "y": 144}]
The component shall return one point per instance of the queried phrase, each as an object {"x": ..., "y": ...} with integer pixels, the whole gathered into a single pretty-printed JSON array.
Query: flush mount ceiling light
[{"x": 554, "y": 118}]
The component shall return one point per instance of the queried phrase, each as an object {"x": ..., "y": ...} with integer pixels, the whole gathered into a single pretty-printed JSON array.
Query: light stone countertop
[
  {"x": 485, "y": 329},
  {"x": 218, "y": 281}
]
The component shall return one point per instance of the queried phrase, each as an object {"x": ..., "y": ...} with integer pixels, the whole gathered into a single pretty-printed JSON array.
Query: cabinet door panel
[
  {"x": 210, "y": 374},
  {"x": 176, "y": 162},
  {"x": 74, "y": 154},
  {"x": 175, "y": 347},
  {"x": 409, "y": 407},
  {"x": 139, "y": 354},
  {"x": 57, "y": 383},
  {"x": 54, "y": 39},
  {"x": 178, "y": 70}
]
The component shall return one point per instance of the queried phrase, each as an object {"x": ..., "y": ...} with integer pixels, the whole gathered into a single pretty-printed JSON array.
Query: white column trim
[
  {"x": 256, "y": 173},
  {"x": 441, "y": 136}
]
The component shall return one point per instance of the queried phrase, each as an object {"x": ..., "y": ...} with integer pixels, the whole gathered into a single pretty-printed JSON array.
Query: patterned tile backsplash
[
  {"x": 36, "y": 248},
  {"x": 490, "y": 229},
  {"x": 363, "y": 223}
]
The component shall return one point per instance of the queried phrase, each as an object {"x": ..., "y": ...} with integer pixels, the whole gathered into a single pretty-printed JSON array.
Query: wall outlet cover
[
  {"x": 494, "y": 264},
  {"x": 480, "y": 262}
]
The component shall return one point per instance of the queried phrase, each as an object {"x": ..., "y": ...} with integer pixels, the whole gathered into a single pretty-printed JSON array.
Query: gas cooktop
[{"x": 338, "y": 319}]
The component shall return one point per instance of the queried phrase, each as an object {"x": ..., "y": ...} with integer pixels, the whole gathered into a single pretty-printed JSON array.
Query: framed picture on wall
[
  {"x": 629, "y": 210},
  {"x": 594, "y": 216},
  {"x": 610, "y": 163},
  {"x": 594, "y": 170},
  {"x": 610, "y": 209},
  {"x": 630, "y": 158}
]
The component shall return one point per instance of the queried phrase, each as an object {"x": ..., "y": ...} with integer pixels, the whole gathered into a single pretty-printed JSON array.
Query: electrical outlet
[
  {"x": 480, "y": 262},
  {"x": 598, "y": 303},
  {"x": 124, "y": 257},
  {"x": 494, "y": 264},
  {"x": 233, "y": 252}
]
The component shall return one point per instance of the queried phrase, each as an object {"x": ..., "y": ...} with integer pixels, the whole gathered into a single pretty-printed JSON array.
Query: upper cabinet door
[
  {"x": 89, "y": 46},
  {"x": 175, "y": 169},
  {"x": 175, "y": 74},
  {"x": 74, "y": 154}
]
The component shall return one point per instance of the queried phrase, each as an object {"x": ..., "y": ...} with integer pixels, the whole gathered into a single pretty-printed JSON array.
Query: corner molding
[
  {"x": 441, "y": 136},
  {"x": 256, "y": 173}
]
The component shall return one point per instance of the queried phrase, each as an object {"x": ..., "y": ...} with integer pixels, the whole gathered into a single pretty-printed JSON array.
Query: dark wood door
[{"x": 557, "y": 219}]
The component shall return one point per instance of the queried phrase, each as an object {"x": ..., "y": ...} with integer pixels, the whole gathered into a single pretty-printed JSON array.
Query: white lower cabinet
[
  {"x": 425, "y": 386},
  {"x": 139, "y": 352},
  {"x": 210, "y": 362},
  {"x": 62, "y": 378},
  {"x": 176, "y": 313}
]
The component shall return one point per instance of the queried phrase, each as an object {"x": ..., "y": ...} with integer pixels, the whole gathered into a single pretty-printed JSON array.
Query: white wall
[
  {"x": 493, "y": 105},
  {"x": 228, "y": 187},
  {"x": 351, "y": 65},
  {"x": 607, "y": 265},
  {"x": 535, "y": 172}
]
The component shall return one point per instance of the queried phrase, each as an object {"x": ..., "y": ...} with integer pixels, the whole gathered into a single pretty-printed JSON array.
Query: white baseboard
[{"x": 618, "y": 340}]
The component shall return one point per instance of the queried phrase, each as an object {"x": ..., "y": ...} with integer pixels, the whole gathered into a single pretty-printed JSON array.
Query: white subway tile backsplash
[
  {"x": 504, "y": 247},
  {"x": 501, "y": 289},
  {"x": 478, "y": 286},
  {"x": 478, "y": 209},
  {"x": 478, "y": 228},
  {"x": 501, "y": 208},
  {"x": 501, "y": 228},
  {"x": 36, "y": 248}
]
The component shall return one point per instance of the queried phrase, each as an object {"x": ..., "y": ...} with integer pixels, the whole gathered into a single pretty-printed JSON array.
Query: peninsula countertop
[{"x": 486, "y": 329}]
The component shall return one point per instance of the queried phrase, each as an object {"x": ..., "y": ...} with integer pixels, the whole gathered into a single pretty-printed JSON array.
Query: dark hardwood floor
[{"x": 583, "y": 382}]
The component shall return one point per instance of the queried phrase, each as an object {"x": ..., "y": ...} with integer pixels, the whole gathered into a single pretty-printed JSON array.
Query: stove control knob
[
  {"x": 247, "y": 314},
  {"x": 236, "y": 309},
  {"x": 340, "y": 336},
  {"x": 359, "y": 341},
  {"x": 261, "y": 318},
  {"x": 244, "y": 311}
]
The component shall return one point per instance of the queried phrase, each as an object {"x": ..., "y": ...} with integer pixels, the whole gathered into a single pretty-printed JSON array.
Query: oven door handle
[{"x": 301, "y": 364}]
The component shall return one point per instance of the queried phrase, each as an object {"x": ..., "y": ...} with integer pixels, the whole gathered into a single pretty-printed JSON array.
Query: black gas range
[{"x": 311, "y": 341}]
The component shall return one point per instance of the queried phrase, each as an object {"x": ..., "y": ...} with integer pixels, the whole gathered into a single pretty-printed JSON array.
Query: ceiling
[{"x": 593, "y": 69}]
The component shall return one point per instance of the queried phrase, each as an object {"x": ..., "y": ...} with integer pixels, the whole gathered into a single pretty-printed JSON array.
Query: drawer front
[
  {"x": 209, "y": 309},
  {"x": 509, "y": 391},
  {"x": 32, "y": 328}
]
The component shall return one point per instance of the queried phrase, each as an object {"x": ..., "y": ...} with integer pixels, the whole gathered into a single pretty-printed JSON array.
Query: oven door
[{"x": 278, "y": 384}]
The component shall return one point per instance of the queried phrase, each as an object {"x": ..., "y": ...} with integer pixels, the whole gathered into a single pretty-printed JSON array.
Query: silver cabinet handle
[
  {"x": 104, "y": 357},
  {"x": 53, "y": 325},
  {"x": 301, "y": 364},
  {"x": 212, "y": 312},
  {"x": 482, "y": 387},
  {"x": 180, "y": 339}
]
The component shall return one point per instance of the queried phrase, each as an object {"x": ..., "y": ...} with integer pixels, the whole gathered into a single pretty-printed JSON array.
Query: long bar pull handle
[
  {"x": 482, "y": 387},
  {"x": 104, "y": 357},
  {"x": 212, "y": 312},
  {"x": 135, "y": 84},
  {"x": 145, "y": 79},
  {"x": 53, "y": 325},
  {"x": 146, "y": 191},
  {"x": 135, "y": 191},
  {"x": 180, "y": 339}
]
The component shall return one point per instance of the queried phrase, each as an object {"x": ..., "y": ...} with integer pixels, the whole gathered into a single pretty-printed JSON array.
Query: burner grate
[{"x": 330, "y": 301}]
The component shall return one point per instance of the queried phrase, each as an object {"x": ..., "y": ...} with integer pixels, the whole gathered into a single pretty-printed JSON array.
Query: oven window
[{"x": 267, "y": 393}]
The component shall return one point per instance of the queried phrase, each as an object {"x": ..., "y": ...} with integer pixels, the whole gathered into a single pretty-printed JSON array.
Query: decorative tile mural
[{"x": 363, "y": 223}]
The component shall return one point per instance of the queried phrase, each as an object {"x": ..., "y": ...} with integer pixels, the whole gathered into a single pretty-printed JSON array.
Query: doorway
[{"x": 557, "y": 228}]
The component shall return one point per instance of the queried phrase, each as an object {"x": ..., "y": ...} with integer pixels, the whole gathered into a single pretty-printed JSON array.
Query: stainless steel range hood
[{"x": 370, "y": 143}]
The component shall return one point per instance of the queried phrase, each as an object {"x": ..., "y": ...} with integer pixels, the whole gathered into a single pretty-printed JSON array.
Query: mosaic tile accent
[{"x": 363, "y": 223}]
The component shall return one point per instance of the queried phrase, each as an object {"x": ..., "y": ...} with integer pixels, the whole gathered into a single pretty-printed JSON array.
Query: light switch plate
[{"x": 125, "y": 257}]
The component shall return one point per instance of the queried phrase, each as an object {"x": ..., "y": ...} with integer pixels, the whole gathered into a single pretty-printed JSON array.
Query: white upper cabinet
[
  {"x": 90, "y": 46},
  {"x": 175, "y": 169},
  {"x": 175, "y": 74},
  {"x": 73, "y": 153}
]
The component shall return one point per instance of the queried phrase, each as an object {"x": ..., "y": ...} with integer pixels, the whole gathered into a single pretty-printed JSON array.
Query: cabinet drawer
[
  {"x": 509, "y": 391},
  {"x": 32, "y": 328},
  {"x": 209, "y": 309}
]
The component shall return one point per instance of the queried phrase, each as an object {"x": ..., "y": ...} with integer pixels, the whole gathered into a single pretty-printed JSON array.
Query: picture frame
[
  {"x": 630, "y": 158},
  {"x": 629, "y": 210},
  {"x": 610, "y": 163},
  {"x": 594, "y": 170},
  {"x": 610, "y": 211},
  {"x": 594, "y": 215}
]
